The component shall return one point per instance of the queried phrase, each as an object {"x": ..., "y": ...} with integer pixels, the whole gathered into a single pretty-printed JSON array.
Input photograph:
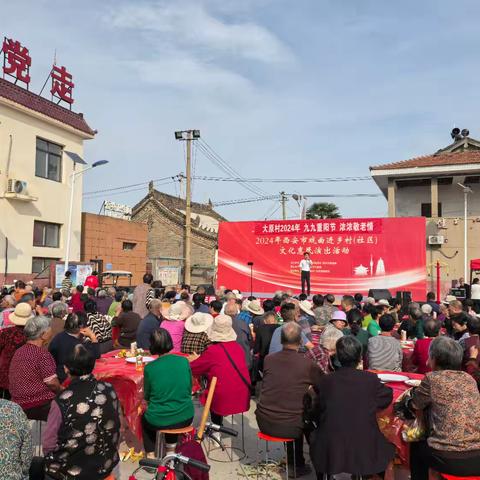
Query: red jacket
[
  {"x": 91, "y": 282},
  {"x": 231, "y": 396},
  {"x": 76, "y": 303},
  {"x": 420, "y": 354}
]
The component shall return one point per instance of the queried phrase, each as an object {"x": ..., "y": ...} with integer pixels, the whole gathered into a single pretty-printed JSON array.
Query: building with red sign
[{"x": 41, "y": 145}]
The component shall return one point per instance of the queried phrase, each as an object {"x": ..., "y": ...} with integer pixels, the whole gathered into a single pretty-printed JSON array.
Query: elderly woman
[
  {"x": 168, "y": 392},
  {"x": 7, "y": 306},
  {"x": 336, "y": 440},
  {"x": 322, "y": 353},
  {"x": 174, "y": 323},
  {"x": 355, "y": 318},
  {"x": 103, "y": 301},
  {"x": 16, "y": 442},
  {"x": 384, "y": 351},
  {"x": 195, "y": 338},
  {"x": 11, "y": 338},
  {"x": 450, "y": 399},
  {"x": 33, "y": 380},
  {"x": 128, "y": 321},
  {"x": 422, "y": 346},
  {"x": 57, "y": 324},
  {"x": 100, "y": 325},
  {"x": 82, "y": 435},
  {"x": 413, "y": 326},
  {"x": 224, "y": 359}
]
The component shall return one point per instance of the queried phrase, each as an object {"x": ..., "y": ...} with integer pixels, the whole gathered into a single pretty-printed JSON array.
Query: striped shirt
[
  {"x": 100, "y": 326},
  {"x": 384, "y": 353}
]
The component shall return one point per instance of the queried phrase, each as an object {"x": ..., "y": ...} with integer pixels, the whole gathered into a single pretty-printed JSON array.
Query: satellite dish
[{"x": 465, "y": 132}]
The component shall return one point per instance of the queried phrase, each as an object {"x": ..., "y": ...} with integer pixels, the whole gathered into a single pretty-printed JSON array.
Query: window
[
  {"x": 427, "y": 210},
  {"x": 40, "y": 264},
  {"x": 129, "y": 245},
  {"x": 46, "y": 234},
  {"x": 48, "y": 160}
]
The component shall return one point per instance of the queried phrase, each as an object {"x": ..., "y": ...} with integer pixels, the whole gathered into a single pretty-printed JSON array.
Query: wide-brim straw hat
[
  {"x": 21, "y": 315},
  {"x": 178, "y": 311},
  {"x": 449, "y": 298},
  {"x": 222, "y": 330},
  {"x": 199, "y": 322},
  {"x": 306, "y": 307},
  {"x": 255, "y": 308}
]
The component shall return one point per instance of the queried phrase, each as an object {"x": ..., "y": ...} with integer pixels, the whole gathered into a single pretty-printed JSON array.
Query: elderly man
[
  {"x": 457, "y": 315},
  {"x": 57, "y": 324},
  {"x": 287, "y": 375},
  {"x": 325, "y": 312},
  {"x": 143, "y": 296},
  {"x": 322, "y": 353},
  {"x": 289, "y": 313},
  {"x": 149, "y": 324}
]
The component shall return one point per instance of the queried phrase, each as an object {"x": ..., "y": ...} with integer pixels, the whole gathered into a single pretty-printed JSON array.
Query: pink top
[
  {"x": 175, "y": 328},
  {"x": 420, "y": 354}
]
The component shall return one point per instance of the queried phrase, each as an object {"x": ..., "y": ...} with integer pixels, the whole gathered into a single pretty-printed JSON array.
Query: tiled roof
[
  {"x": 41, "y": 105},
  {"x": 444, "y": 159}
]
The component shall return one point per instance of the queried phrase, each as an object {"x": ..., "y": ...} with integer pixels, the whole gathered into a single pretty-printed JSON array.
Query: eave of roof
[{"x": 14, "y": 95}]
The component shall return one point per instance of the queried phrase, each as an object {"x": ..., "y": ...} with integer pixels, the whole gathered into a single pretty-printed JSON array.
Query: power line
[
  {"x": 207, "y": 150},
  {"x": 129, "y": 186},
  {"x": 110, "y": 193},
  {"x": 283, "y": 180}
]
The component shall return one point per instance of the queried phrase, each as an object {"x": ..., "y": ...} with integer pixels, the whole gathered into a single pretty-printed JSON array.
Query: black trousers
[
  {"x": 150, "y": 433},
  {"x": 306, "y": 281},
  {"x": 285, "y": 431},
  {"x": 216, "y": 419},
  {"x": 39, "y": 413},
  {"x": 460, "y": 464}
]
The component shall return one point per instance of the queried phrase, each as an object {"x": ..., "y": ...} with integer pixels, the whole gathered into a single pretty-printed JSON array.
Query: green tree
[{"x": 321, "y": 210}]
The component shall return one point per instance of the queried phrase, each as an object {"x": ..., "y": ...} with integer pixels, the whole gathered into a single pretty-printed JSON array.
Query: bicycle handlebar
[
  {"x": 158, "y": 462},
  {"x": 219, "y": 428}
]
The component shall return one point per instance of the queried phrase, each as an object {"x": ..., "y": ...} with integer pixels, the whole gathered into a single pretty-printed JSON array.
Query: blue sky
[{"x": 279, "y": 88}]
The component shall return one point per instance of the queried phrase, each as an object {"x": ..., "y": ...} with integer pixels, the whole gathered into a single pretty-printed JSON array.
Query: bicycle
[{"x": 170, "y": 467}]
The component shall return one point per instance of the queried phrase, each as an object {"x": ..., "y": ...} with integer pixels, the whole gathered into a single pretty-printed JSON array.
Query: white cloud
[{"x": 190, "y": 25}]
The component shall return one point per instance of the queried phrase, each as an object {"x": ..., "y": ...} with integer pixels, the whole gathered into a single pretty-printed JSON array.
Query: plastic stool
[
  {"x": 160, "y": 438},
  {"x": 269, "y": 438},
  {"x": 446, "y": 476}
]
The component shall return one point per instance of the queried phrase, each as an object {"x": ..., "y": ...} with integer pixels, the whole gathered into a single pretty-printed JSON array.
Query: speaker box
[
  {"x": 404, "y": 297},
  {"x": 379, "y": 294}
]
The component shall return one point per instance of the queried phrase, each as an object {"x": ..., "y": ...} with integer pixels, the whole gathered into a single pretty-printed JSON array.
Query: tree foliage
[{"x": 322, "y": 210}]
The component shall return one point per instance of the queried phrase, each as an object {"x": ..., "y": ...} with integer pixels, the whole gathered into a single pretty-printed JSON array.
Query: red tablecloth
[
  {"x": 391, "y": 425},
  {"x": 128, "y": 383}
]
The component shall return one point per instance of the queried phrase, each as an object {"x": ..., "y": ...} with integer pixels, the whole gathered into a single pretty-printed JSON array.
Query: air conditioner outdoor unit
[
  {"x": 436, "y": 239},
  {"x": 17, "y": 186}
]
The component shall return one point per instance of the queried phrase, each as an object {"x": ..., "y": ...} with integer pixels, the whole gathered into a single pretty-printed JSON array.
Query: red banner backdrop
[{"x": 349, "y": 255}]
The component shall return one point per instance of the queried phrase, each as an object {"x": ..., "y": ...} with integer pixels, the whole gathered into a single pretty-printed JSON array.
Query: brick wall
[
  {"x": 165, "y": 241},
  {"x": 103, "y": 238}
]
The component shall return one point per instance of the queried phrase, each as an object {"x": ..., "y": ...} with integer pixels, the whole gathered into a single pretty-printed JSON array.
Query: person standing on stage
[{"x": 305, "y": 266}]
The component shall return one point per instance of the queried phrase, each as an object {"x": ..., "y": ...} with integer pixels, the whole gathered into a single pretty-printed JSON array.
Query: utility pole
[
  {"x": 283, "y": 199},
  {"x": 188, "y": 136}
]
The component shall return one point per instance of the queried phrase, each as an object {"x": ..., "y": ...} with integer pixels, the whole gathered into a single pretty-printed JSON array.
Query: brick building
[
  {"x": 165, "y": 218},
  {"x": 114, "y": 242}
]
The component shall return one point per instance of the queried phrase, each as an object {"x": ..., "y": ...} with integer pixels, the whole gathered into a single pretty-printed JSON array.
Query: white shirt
[
  {"x": 475, "y": 291},
  {"x": 305, "y": 265}
]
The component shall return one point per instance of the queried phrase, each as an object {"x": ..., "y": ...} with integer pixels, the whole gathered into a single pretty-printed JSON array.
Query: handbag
[{"x": 251, "y": 388}]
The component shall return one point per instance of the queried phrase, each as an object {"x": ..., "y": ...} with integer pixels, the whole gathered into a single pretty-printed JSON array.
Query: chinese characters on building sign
[
  {"x": 17, "y": 62},
  {"x": 62, "y": 84}
]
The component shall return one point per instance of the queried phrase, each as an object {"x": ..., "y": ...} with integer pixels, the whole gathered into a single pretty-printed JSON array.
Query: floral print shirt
[{"x": 16, "y": 442}]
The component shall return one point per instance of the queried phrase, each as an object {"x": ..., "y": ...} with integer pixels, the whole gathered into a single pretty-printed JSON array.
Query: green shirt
[
  {"x": 366, "y": 320},
  {"x": 112, "y": 309},
  {"x": 374, "y": 328},
  {"x": 168, "y": 391}
]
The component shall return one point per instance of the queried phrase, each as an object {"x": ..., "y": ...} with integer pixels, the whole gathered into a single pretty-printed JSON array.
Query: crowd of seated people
[{"x": 308, "y": 360}]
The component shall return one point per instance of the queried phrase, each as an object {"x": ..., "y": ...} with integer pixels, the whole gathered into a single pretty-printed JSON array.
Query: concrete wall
[
  {"x": 17, "y": 217},
  {"x": 103, "y": 238},
  {"x": 409, "y": 200}
]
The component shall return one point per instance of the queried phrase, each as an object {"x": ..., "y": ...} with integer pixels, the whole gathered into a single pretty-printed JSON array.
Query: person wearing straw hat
[
  {"x": 12, "y": 338},
  {"x": 307, "y": 318},
  {"x": 195, "y": 338},
  {"x": 174, "y": 323},
  {"x": 224, "y": 359}
]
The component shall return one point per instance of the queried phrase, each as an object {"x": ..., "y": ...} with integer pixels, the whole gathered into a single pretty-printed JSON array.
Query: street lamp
[
  {"x": 466, "y": 191},
  {"x": 73, "y": 175}
]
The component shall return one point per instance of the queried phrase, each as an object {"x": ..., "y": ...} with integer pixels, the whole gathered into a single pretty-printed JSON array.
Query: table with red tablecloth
[
  {"x": 390, "y": 424},
  {"x": 128, "y": 383}
]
